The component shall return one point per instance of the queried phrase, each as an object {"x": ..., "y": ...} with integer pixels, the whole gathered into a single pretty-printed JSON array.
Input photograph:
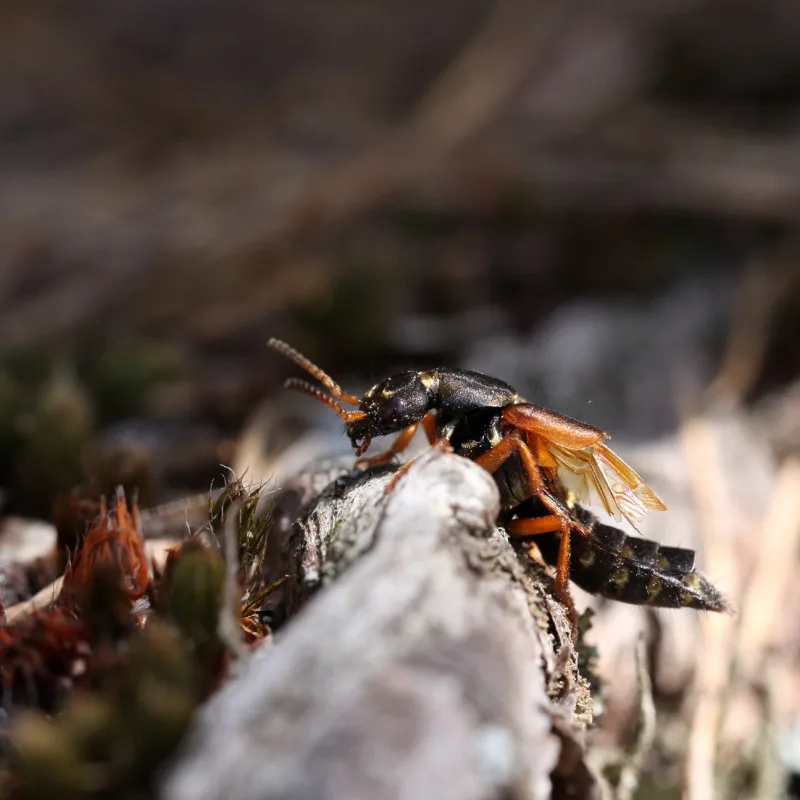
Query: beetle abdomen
[{"x": 628, "y": 569}]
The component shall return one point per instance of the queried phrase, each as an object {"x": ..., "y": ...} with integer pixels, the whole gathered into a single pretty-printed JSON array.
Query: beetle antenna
[
  {"x": 304, "y": 386},
  {"x": 314, "y": 370}
]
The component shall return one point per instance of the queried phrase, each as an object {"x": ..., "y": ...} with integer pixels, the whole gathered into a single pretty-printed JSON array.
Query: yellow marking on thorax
[{"x": 427, "y": 380}]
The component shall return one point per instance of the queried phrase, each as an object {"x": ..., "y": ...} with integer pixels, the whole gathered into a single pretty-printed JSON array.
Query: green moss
[
  {"x": 53, "y": 436},
  {"x": 121, "y": 376},
  {"x": 192, "y": 596},
  {"x": 355, "y": 313},
  {"x": 111, "y": 744}
]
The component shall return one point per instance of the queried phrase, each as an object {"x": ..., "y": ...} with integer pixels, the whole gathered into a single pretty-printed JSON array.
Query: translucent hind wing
[
  {"x": 597, "y": 472},
  {"x": 578, "y": 473},
  {"x": 632, "y": 495},
  {"x": 576, "y": 483},
  {"x": 630, "y": 477}
]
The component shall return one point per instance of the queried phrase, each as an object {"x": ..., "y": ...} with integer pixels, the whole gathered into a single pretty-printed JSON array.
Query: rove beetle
[{"x": 543, "y": 462}]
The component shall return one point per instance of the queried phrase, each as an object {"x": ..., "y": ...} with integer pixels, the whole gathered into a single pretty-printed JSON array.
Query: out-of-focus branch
[
  {"x": 465, "y": 96},
  {"x": 761, "y": 288},
  {"x": 774, "y": 574},
  {"x": 652, "y": 157},
  {"x": 717, "y": 630}
]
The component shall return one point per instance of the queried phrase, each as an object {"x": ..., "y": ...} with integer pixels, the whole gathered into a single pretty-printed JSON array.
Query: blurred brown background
[{"x": 597, "y": 201}]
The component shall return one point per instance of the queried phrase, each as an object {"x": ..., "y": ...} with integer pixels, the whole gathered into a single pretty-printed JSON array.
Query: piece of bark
[{"x": 424, "y": 662}]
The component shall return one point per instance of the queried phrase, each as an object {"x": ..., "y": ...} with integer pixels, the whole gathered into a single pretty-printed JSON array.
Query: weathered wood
[{"x": 423, "y": 661}]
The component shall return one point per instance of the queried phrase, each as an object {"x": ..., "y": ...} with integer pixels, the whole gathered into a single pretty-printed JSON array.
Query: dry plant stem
[
  {"x": 467, "y": 94},
  {"x": 156, "y": 552},
  {"x": 628, "y": 763},
  {"x": 230, "y": 630},
  {"x": 629, "y": 777},
  {"x": 417, "y": 669},
  {"x": 178, "y": 517},
  {"x": 776, "y": 679},
  {"x": 760, "y": 291},
  {"x": 41, "y": 599},
  {"x": 626, "y": 154},
  {"x": 519, "y": 46},
  {"x": 651, "y": 157},
  {"x": 771, "y": 583},
  {"x": 717, "y": 631}
]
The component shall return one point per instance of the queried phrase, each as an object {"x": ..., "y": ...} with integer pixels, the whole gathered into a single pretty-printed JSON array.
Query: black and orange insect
[
  {"x": 604, "y": 560},
  {"x": 536, "y": 455}
]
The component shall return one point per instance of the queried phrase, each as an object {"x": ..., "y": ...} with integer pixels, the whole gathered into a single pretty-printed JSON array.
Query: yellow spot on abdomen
[
  {"x": 653, "y": 589},
  {"x": 691, "y": 580},
  {"x": 620, "y": 577}
]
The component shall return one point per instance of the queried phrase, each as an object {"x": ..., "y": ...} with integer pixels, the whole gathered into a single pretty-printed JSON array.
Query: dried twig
[
  {"x": 717, "y": 631},
  {"x": 620, "y": 770},
  {"x": 632, "y": 767},
  {"x": 178, "y": 517},
  {"x": 416, "y": 667},
  {"x": 760, "y": 291},
  {"x": 230, "y": 631},
  {"x": 779, "y": 546}
]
